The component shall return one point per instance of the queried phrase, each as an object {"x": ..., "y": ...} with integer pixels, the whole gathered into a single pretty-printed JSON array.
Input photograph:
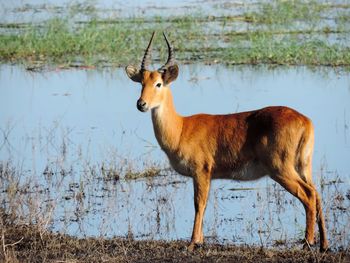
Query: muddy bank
[{"x": 22, "y": 243}]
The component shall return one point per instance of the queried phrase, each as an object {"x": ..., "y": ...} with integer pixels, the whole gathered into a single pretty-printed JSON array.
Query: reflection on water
[{"x": 62, "y": 130}]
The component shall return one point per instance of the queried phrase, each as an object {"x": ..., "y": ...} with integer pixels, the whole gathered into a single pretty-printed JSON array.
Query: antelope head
[{"x": 154, "y": 83}]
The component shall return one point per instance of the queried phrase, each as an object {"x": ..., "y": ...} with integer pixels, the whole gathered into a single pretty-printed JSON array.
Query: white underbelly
[
  {"x": 249, "y": 172},
  {"x": 181, "y": 166}
]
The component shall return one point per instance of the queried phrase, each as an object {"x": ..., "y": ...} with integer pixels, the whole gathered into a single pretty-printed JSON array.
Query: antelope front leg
[{"x": 201, "y": 185}]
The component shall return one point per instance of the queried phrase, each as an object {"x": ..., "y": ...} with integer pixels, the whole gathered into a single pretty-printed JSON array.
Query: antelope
[{"x": 274, "y": 141}]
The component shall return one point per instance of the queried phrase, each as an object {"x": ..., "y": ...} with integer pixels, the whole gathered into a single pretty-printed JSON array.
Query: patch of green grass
[
  {"x": 276, "y": 37},
  {"x": 289, "y": 51},
  {"x": 282, "y": 12},
  {"x": 60, "y": 42},
  {"x": 94, "y": 42}
]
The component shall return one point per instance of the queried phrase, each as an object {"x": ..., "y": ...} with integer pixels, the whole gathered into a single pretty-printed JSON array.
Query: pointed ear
[
  {"x": 170, "y": 74},
  {"x": 133, "y": 73}
]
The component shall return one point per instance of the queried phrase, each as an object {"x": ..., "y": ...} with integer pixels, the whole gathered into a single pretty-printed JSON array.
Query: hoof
[
  {"x": 325, "y": 247},
  {"x": 190, "y": 248},
  {"x": 307, "y": 246},
  {"x": 325, "y": 250},
  {"x": 194, "y": 246}
]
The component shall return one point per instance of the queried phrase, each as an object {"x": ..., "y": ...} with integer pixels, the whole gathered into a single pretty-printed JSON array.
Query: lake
[{"x": 61, "y": 130}]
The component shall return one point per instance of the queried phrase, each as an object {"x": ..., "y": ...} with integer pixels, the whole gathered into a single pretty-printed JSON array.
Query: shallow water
[
  {"x": 38, "y": 10},
  {"x": 60, "y": 127}
]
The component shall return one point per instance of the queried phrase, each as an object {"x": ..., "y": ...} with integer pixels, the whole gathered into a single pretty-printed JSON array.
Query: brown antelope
[{"x": 273, "y": 141}]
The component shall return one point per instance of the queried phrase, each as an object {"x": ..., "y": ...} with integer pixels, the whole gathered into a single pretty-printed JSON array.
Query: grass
[
  {"x": 278, "y": 32},
  {"x": 146, "y": 173},
  {"x": 30, "y": 243},
  {"x": 291, "y": 52},
  {"x": 282, "y": 12}
]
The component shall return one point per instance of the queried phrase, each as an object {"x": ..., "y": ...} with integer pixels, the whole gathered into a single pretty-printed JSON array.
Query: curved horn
[
  {"x": 170, "y": 60},
  {"x": 146, "y": 58}
]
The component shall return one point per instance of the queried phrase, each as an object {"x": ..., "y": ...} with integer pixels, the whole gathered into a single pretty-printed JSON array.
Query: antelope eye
[{"x": 159, "y": 85}]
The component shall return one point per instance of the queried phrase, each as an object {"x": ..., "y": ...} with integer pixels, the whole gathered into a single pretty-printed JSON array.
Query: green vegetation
[
  {"x": 281, "y": 12},
  {"x": 278, "y": 32}
]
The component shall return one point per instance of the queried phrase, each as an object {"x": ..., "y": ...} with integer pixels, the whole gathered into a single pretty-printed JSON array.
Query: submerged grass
[
  {"x": 148, "y": 172},
  {"x": 278, "y": 32}
]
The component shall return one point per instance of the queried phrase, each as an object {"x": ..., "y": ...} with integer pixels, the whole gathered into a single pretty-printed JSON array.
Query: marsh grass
[
  {"x": 289, "y": 52},
  {"x": 282, "y": 12},
  {"x": 278, "y": 32}
]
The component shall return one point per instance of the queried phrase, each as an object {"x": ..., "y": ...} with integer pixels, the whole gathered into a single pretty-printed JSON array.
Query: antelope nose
[{"x": 141, "y": 105}]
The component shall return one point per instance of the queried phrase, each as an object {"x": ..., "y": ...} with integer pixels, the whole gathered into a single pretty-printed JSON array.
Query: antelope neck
[{"x": 167, "y": 124}]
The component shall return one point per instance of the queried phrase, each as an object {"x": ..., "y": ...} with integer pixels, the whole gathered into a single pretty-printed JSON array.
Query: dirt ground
[{"x": 22, "y": 243}]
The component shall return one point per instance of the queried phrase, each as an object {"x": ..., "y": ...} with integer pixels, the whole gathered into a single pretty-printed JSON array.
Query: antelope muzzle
[{"x": 141, "y": 105}]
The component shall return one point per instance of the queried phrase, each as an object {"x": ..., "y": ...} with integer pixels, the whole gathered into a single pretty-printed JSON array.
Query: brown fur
[{"x": 273, "y": 141}]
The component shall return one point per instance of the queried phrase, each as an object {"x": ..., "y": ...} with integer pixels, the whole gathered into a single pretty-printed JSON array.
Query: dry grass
[{"x": 23, "y": 243}]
